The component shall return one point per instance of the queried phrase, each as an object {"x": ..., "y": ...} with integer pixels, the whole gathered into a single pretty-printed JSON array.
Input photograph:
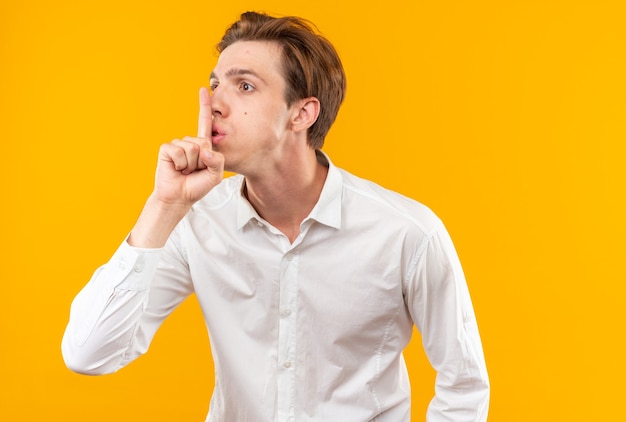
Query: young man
[{"x": 310, "y": 279}]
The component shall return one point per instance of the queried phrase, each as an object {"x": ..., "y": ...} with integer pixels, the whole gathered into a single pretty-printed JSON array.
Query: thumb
[{"x": 214, "y": 161}]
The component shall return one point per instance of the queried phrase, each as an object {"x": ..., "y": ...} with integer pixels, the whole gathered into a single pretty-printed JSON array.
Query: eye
[{"x": 246, "y": 87}]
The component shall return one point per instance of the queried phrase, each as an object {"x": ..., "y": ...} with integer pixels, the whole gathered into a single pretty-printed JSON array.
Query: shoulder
[{"x": 362, "y": 195}]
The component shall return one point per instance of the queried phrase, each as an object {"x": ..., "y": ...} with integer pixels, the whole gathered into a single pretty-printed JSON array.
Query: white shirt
[{"x": 309, "y": 331}]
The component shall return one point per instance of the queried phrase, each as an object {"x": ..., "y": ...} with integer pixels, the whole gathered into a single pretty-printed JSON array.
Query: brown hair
[{"x": 311, "y": 66}]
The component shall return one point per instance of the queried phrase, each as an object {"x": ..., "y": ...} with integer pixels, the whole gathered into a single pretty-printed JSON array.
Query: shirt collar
[{"x": 326, "y": 211}]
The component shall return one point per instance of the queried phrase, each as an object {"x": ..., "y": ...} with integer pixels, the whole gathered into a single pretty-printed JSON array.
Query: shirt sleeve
[
  {"x": 115, "y": 316},
  {"x": 439, "y": 302}
]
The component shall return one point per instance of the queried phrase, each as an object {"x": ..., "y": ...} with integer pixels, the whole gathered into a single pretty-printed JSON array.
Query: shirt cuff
[{"x": 134, "y": 266}]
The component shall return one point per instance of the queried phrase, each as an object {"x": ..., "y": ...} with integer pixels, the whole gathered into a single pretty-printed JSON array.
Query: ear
[{"x": 306, "y": 112}]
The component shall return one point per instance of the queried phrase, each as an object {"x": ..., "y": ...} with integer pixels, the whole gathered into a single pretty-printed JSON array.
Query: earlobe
[{"x": 307, "y": 114}]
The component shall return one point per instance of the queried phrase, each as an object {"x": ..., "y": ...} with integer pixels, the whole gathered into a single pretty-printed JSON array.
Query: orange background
[{"x": 505, "y": 117}]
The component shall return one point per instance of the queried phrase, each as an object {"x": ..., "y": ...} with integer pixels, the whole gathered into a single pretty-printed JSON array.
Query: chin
[{"x": 230, "y": 166}]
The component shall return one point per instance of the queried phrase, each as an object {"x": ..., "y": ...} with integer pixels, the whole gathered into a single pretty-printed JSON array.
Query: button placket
[{"x": 287, "y": 335}]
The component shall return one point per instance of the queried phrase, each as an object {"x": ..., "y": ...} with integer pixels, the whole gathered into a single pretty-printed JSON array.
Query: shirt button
[
  {"x": 258, "y": 223},
  {"x": 286, "y": 312},
  {"x": 287, "y": 364},
  {"x": 138, "y": 269},
  {"x": 289, "y": 257}
]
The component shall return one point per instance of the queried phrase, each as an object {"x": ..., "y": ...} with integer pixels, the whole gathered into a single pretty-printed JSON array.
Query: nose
[{"x": 218, "y": 107}]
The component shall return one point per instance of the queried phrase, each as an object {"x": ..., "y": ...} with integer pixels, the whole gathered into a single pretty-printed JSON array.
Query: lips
[{"x": 217, "y": 133}]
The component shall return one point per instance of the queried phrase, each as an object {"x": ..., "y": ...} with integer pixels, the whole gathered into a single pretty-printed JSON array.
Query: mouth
[{"x": 217, "y": 134}]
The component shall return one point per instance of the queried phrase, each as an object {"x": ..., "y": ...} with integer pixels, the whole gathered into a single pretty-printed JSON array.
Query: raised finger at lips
[{"x": 205, "y": 117}]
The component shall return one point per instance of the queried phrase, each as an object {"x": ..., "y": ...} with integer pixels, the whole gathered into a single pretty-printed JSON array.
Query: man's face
[{"x": 251, "y": 117}]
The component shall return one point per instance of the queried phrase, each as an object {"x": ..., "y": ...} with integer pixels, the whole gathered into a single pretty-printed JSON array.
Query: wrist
[{"x": 156, "y": 222}]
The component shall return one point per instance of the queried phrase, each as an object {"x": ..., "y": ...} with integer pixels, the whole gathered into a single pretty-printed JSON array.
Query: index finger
[{"x": 205, "y": 121}]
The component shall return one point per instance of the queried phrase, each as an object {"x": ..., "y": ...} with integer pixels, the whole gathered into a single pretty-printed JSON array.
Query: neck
[{"x": 287, "y": 197}]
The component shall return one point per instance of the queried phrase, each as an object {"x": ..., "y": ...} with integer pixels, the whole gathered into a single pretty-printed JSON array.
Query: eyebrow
[{"x": 235, "y": 71}]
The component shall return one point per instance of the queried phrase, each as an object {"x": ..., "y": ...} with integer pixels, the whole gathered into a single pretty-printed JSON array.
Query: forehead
[{"x": 261, "y": 57}]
